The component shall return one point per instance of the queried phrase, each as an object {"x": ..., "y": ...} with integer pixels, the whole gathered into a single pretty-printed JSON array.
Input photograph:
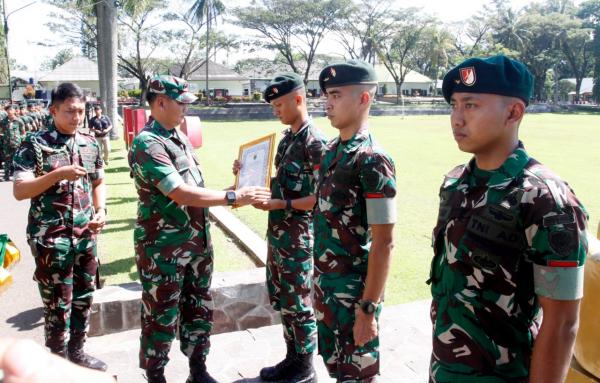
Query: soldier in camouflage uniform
[
  {"x": 509, "y": 242},
  {"x": 60, "y": 170},
  {"x": 354, "y": 220},
  {"x": 3, "y": 115},
  {"x": 172, "y": 242},
  {"x": 290, "y": 230},
  {"x": 14, "y": 133},
  {"x": 31, "y": 112}
]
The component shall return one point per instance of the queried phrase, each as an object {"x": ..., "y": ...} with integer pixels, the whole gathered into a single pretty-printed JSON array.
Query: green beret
[
  {"x": 496, "y": 75},
  {"x": 282, "y": 84},
  {"x": 351, "y": 72},
  {"x": 174, "y": 87}
]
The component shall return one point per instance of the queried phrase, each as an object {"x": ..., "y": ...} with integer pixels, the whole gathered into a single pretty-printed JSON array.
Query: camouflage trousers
[
  {"x": 8, "y": 162},
  {"x": 289, "y": 283},
  {"x": 336, "y": 299},
  {"x": 65, "y": 272},
  {"x": 175, "y": 298}
]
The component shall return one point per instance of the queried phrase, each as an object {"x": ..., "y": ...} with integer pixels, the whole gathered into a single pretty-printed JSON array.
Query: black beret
[
  {"x": 496, "y": 75},
  {"x": 351, "y": 72},
  {"x": 281, "y": 85}
]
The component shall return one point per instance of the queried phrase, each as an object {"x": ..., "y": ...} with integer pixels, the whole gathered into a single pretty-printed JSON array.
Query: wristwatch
[
  {"x": 97, "y": 208},
  {"x": 367, "y": 306},
  {"x": 230, "y": 196}
]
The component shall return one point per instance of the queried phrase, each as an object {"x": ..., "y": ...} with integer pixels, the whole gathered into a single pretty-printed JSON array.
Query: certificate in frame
[{"x": 256, "y": 158}]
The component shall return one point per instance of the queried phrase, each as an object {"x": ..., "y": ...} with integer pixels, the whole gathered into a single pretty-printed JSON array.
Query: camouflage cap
[
  {"x": 496, "y": 75},
  {"x": 281, "y": 85},
  {"x": 174, "y": 87},
  {"x": 351, "y": 72}
]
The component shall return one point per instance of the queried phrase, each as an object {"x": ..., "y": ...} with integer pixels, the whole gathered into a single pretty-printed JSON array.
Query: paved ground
[{"x": 234, "y": 357}]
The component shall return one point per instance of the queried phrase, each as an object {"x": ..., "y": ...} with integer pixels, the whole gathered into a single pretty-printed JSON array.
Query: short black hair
[
  {"x": 9, "y": 106},
  {"x": 96, "y": 107},
  {"x": 65, "y": 91},
  {"x": 151, "y": 96}
]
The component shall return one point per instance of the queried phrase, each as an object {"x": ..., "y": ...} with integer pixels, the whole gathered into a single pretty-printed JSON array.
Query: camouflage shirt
[
  {"x": 14, "y": 132},
  {"x": 297, "y": 162},
  {"x": 502, "y": 238},
  {"x": 65, "y": 209},
  {"x": 161, "y": 161},
  {"x": 357, "y": 186}
]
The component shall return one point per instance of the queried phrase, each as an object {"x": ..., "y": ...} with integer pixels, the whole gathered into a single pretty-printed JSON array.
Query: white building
[
  {"x": 79, "y": 70},
  {"x": 222, "y": 81}
]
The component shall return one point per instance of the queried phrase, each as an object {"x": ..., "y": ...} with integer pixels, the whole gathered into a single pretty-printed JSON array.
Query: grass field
[{"x": 423, "y": 150}]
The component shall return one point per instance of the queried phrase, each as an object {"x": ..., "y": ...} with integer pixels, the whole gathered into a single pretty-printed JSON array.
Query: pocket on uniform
[{"x": 293, "y": 176}]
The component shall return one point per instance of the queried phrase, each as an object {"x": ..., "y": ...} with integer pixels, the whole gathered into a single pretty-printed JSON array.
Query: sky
[{"x": 27, "y": 26}]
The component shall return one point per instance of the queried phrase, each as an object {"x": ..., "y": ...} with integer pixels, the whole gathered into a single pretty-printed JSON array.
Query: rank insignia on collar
[{"x": 467, "y": 76}]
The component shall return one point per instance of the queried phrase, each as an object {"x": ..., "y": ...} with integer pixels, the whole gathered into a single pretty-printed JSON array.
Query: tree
[
  {"x": 589, "y": 11},
  {"x": 399, "y": 50},
  {"x": 293, "y": 28},
  {"x": 60, "y": 58},
  {"x": 366, "y": 23},
  {"x": 137, "y": 20},
  {"x": 576, "y": 45},
  {"x": 207, "y": 10}
]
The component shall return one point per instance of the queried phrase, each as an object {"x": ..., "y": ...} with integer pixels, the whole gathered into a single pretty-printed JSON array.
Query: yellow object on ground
[
  {"x": 587, "y": 351},
  {"x": 5, "y": 279},
  {"x": 12, "y": 255}
]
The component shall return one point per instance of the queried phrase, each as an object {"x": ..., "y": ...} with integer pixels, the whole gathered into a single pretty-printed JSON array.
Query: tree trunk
[
  {"x": 578, "y": 81},
  {"x": 398, "y": 92},
  {"x": 207, "y": 89},
  {"x": 101, "y": 51},
  {"x": 110, "y": 60}
]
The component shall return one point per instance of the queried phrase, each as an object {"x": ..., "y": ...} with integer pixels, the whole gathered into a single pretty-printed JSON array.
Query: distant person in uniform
[
  {"x": 509, "y": 243},
  {"x": 100, "y": 126}
]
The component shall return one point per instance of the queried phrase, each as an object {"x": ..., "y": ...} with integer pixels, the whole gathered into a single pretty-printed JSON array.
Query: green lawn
[{"x": 423, "y": 150}]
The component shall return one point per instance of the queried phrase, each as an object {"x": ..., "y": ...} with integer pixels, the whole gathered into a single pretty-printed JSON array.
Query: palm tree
[{"x": 206, "y": 10}]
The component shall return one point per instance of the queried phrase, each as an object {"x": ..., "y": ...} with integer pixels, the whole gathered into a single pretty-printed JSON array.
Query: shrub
[
  {"x": 256, "y": 96},
  {"x": 135, "y": 93}
]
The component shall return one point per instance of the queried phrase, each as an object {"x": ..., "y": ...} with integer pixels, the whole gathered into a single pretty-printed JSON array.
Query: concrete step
[{"x": 239, "y": 356}]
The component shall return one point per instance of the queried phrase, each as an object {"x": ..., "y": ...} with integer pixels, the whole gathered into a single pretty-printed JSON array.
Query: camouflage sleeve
[
  {"x": 557, "y": 241},
  {"x": 98, "y": 162},
  {"x": 315, "y": 149},
  {"x": 378, "y": 180},
  {"x": 152, "y": 163},
  {"x": 24, "y": 161}
]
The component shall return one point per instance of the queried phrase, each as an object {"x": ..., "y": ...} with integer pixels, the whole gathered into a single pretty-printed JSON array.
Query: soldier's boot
[
  {"x": 156, "y": 376},
  {"x": 62, "y": 352},
  {"x": 280, "y": 370},
  {"x": 77, "y": 356},
  {"x": 301, "y": 370},
  {"x": 198, "y": 372}
]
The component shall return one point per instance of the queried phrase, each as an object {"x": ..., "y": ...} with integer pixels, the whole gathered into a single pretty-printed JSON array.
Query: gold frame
[{"x": 271, "y": 139}]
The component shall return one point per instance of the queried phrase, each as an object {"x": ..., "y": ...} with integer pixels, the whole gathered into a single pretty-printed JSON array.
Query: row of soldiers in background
[{"x": 16, "y": 120}]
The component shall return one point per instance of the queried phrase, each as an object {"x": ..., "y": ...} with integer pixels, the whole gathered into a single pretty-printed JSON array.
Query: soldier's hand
[
  {"x": 237, "y": 165},
  {"x": 365, "y": 328},
  {"x": 98, "y": 221},
  {"x": 71, "y": 172},
  {"x": 272, "y": 204},
  {"x": 252, "y": 195}
]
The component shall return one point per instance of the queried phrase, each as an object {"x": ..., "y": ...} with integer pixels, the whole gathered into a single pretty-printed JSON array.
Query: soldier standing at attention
[
  {"x": 509, "y": 242},
  {"x": 14, "y": 132},
  {"x": 171, "y": 237},
  {"x": 354, "y": 222},
  {"x": 290, "y": 229},
  {"x": 60, "y": 170}
]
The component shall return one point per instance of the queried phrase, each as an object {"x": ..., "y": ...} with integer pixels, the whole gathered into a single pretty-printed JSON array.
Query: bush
[
  {"x": 256, "y": 96},
  {"x": 236, "y": 99},
  {"x": 219, "y": 99},
  {"x": 135, "y": 93},
  {"x": 123, "y": 93},
  {"x": 200, "y": 96}
]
